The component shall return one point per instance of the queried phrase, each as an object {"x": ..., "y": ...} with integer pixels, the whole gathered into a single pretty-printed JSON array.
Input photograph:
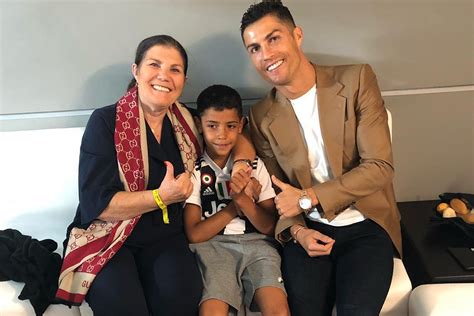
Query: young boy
[{"x": 229, "y": 222}]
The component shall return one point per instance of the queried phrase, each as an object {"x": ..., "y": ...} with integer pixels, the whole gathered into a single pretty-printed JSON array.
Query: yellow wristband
[{"x": 161, "y": 205}]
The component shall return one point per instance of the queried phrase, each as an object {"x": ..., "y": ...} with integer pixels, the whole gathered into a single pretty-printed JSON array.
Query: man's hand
[
  {"x": 315, "y": 243},
  {"x": 286, "y": 201}
]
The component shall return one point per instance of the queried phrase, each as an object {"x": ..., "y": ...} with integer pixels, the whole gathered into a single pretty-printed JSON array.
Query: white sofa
[
  {"x": 40, "y": 197},
  {"x": 442, "y": 300}
]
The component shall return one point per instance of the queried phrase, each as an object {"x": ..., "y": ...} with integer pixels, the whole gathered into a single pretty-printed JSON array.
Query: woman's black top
[{"x": 99, "y": 177}]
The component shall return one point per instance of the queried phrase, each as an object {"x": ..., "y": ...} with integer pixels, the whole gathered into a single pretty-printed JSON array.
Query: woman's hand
[
  {"x": 174, "y": 190},
  {"x": 315, "y": 243}
]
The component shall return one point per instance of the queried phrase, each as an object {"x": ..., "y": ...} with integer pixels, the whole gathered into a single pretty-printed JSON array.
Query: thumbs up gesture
[
  {"x": 175, "y": 189},
  {"x": 286, "y": 201}
]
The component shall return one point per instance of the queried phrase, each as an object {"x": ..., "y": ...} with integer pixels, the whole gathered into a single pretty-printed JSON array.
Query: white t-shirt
[
  {"x": 211, "y": 190},
  {"x": 306, "y": 110}
]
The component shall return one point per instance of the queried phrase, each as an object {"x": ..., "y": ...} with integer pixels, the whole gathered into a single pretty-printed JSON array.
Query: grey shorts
[{"x": 233, "y": 267}]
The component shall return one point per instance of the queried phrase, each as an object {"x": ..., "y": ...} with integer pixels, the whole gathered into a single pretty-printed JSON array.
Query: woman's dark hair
[
  {"x": 259, "y": 10},
  {"x": 160, "y": 40},
  {"x": 219, "y": 97}
]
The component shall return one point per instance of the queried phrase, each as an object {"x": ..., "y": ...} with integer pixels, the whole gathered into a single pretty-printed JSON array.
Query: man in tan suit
[{"x": 323, "y": 134}]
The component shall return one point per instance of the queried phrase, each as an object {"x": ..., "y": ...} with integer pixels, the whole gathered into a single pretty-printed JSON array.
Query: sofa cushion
[{"x": 442, "y": 299}]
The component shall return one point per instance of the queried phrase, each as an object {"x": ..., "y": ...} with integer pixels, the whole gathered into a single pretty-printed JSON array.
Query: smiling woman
[
  {"x": 160, "y": 78},
  {"x": 159, "y": 75},
  {"x": 132, "y": 177}
]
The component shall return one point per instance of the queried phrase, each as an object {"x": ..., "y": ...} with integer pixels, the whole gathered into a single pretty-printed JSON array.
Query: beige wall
[{"x": 433, "y": 144}]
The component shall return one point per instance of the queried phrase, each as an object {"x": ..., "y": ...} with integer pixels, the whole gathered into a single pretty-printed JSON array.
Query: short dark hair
[
  {"x": 158, "y": 40},
  {"x": 219, "y": 97},
  {"x": 259, "y": 10}
]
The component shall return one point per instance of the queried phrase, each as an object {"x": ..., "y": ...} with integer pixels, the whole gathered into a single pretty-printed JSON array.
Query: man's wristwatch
[{"x": 304, "y": 202}]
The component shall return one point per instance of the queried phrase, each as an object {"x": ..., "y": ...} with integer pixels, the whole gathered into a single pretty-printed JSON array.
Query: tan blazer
[{"x": 355, "y": 132}]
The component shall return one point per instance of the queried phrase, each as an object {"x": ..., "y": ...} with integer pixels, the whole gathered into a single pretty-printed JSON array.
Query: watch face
[{"x": 305, "y": 203}]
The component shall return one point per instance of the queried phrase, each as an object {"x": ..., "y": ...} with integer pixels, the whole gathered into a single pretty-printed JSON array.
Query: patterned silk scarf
[{"x": 88, "y": 250}]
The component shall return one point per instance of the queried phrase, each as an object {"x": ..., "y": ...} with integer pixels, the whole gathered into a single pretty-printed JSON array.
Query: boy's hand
[
  {"x": 239, "y": 181},
  {"x": 253, "y": 189},
  {"x": 238, "y": 211},
  {"x": 233, "y": 209},
  {"x": 240, "y": 200},
  {"x": 247, "y": 196},
  {"x": 241, "y": 166}
]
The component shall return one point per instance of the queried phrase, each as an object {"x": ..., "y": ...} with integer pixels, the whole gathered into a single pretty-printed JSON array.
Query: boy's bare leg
[
  {"x": 272, "y": 301},
  {"x": 213, "y": 307}
]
